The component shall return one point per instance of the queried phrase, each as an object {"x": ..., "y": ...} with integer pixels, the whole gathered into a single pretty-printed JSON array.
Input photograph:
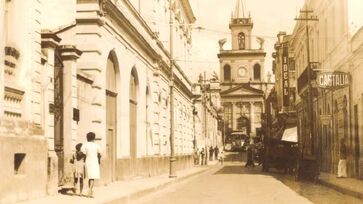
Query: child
[{"x": 78, "y": 160}]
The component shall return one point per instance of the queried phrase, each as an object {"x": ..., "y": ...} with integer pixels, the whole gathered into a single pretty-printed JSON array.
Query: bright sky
[{"x": 269, "y": 17}]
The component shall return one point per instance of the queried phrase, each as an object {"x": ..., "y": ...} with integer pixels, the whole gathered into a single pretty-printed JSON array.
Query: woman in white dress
[{"x": 93, "y": 154}]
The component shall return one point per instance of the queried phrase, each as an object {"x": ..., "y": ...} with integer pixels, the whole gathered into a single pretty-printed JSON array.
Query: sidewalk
[
  {"x": 349, "y": 186},
  {"x": 124, "y": 191}
]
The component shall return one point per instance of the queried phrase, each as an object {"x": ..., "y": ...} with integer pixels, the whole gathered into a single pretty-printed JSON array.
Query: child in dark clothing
[{"x": 78, "y": 160}]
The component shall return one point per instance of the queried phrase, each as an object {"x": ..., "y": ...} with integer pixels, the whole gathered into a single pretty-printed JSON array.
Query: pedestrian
[
  {"x": 342, "y": 165},
  {"x": 249, "y": 157},
  {"x": 196, "y": 157},
  {"x": 216, "y": 152},
  {"x": 221, "y": 157},
  {"x": 93, "y": 158},
  {"x": 202, "y": 155},
  {"x": 78, "y": 159},
  {"x": 211, "y": 150}
]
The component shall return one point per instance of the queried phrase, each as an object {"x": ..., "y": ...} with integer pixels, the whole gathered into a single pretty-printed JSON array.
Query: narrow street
[{"x": 234, "y": 183}]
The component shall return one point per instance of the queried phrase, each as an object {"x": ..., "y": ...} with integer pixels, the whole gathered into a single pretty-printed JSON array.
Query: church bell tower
[{"x": 241, "y": 27}]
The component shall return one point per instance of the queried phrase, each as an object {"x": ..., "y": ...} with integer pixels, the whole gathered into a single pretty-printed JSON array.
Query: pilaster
[
  {"x": 49, "y": 44},
  {"x": 69, "y": 55}
]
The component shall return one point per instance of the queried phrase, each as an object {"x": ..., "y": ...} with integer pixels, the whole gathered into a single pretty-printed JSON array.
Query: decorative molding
[
  {"x": 49, "y": 39},
  {"x": 12, "y": 102},
  {"x": 69, "y": 52}
]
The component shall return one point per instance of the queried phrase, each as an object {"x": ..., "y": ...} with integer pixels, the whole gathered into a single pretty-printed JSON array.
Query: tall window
[
  {"x": 257, "y": 72},
  {"x": 228, "y": 115},
  {"x": 241, "y": 41},
  {"x": 227, "y": 72}
]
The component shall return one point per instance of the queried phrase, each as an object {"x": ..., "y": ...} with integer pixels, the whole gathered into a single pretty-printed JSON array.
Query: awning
[{"x": 290, "y": 135}]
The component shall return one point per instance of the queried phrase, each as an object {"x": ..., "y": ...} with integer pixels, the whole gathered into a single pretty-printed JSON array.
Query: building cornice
[
  {"x": 241, "y": 53},
  {"x": 188, "y": 10}
]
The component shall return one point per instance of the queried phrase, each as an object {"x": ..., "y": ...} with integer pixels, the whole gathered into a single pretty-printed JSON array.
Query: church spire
[{"x": 239, "y": 11}]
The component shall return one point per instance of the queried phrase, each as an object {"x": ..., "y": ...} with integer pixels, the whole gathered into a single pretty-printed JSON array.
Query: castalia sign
[{"x": 332, "y": 80}]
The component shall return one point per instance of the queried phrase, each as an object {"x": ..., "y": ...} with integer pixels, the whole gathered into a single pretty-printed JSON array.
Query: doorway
[
  {"x": 356, "y": 141},
  {"x": 111, "y": 118},
  {"x": 57, "y": 110}
]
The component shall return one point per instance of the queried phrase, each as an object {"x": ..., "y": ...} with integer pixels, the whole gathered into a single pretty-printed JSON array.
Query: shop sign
[
  {"x": 285, "y": 76},
  {"x": 328, "y": 80}
]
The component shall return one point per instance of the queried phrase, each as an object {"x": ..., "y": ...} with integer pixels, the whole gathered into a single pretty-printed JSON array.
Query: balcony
[{"x": 302, "y": 81}]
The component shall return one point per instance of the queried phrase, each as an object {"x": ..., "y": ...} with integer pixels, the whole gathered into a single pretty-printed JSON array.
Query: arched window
[
  {"x": 257, "y": 72},
  {"x": 241, "y": 41},
  {"x": 227, "y": 72}
]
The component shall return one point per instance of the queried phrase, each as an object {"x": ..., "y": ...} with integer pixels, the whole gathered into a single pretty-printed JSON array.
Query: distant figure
[
  {"x": 342, "y": 165},
  {"x": 216, "y": 152},
  {"x": 211, "y": 150},
  {"x": 221, "y": 157},
  {"x": 78, "y": 159},
  {"x": 93, "y": 156},
  {"x": 250, "y": 157},
  {"x": 196, "y": 157},
  {"x": 202, "y": 155}
]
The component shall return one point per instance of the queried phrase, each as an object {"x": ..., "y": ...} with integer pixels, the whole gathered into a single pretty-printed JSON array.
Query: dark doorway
[
  {"x": 356, "y": 141},
  {"x": 57, "y": 110},
  {"x": 111, "y": 118}
]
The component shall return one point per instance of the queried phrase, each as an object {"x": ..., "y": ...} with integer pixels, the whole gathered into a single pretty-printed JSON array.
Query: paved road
[{"x": 233, "y": 183}]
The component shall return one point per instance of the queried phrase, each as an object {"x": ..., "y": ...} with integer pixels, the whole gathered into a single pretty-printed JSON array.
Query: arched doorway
[
  {"x": 111, "y": 117},
  {"x": 133, "y": 97}
]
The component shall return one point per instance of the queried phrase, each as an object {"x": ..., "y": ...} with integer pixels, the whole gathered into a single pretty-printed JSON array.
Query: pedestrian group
[{"x": 86, "y": 164}]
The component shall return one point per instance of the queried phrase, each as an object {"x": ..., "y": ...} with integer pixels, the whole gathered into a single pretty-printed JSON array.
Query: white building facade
[{"x": 94, "y": 66}]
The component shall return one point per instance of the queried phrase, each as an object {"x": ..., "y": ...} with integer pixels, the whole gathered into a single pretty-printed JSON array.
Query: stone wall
[
  {"x": 23, "y": 162},
  {"x": 149, "y": 166}
]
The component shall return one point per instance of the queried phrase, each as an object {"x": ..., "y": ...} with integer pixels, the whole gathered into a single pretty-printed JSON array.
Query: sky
[{"x": 269, "y": 17}]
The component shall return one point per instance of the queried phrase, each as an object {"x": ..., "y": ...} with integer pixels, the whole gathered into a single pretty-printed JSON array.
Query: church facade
[{"x": 243, "y": 84}]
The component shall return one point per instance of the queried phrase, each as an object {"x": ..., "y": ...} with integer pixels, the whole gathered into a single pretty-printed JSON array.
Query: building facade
[
  {"x": 207, "y": 105},
  {"x": 331, "y": 113},
  {"x": 100, "y": 66},
  {"x": 243, "y": 84},
  {"x": 23, "y": 145}
]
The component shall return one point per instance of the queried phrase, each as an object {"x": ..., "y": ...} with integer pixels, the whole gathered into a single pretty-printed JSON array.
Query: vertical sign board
[{"x": 285, "y": 76}]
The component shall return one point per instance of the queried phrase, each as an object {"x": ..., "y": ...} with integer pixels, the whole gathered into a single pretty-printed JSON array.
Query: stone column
[
  {"x": 69, "y": 54},
  {"x": 49, "y": 43},
  {"x": 252, "y": 119}
]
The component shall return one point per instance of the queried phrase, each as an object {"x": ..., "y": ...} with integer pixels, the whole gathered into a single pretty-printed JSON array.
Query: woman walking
[
  {"x": 93, "y": 155},
  {"x": 342, "y": 165}
]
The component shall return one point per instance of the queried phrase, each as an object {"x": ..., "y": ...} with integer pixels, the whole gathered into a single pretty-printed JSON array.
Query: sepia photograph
[{"x": 181, "y": 101}]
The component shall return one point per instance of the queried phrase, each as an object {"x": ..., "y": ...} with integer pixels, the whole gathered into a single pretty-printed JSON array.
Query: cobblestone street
[{"x": 234, "y": 183}]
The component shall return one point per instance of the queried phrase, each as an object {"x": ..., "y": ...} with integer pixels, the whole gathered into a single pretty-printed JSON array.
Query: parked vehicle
[
  {"x": 236, "y": 142},
  {"x": 282, "y": 154}
]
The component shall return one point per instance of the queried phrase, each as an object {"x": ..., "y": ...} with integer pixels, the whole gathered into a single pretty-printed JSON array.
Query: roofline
[
  {"x": 236, "y": 54},
  {"x": 188, "y": 10}
]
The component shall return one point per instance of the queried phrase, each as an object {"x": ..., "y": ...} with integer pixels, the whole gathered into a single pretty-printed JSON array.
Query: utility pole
[
  {"x": 309, "y": 71},
  {"x": 172, "y": 170}
]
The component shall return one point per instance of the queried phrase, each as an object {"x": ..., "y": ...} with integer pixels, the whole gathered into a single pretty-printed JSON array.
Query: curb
[
  {"x": 338, "y": 188},
  {"x": 147, "y": 191}
]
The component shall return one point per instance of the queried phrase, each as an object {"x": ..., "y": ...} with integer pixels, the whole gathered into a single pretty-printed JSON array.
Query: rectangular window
[{"x": 19, "y": 163}]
